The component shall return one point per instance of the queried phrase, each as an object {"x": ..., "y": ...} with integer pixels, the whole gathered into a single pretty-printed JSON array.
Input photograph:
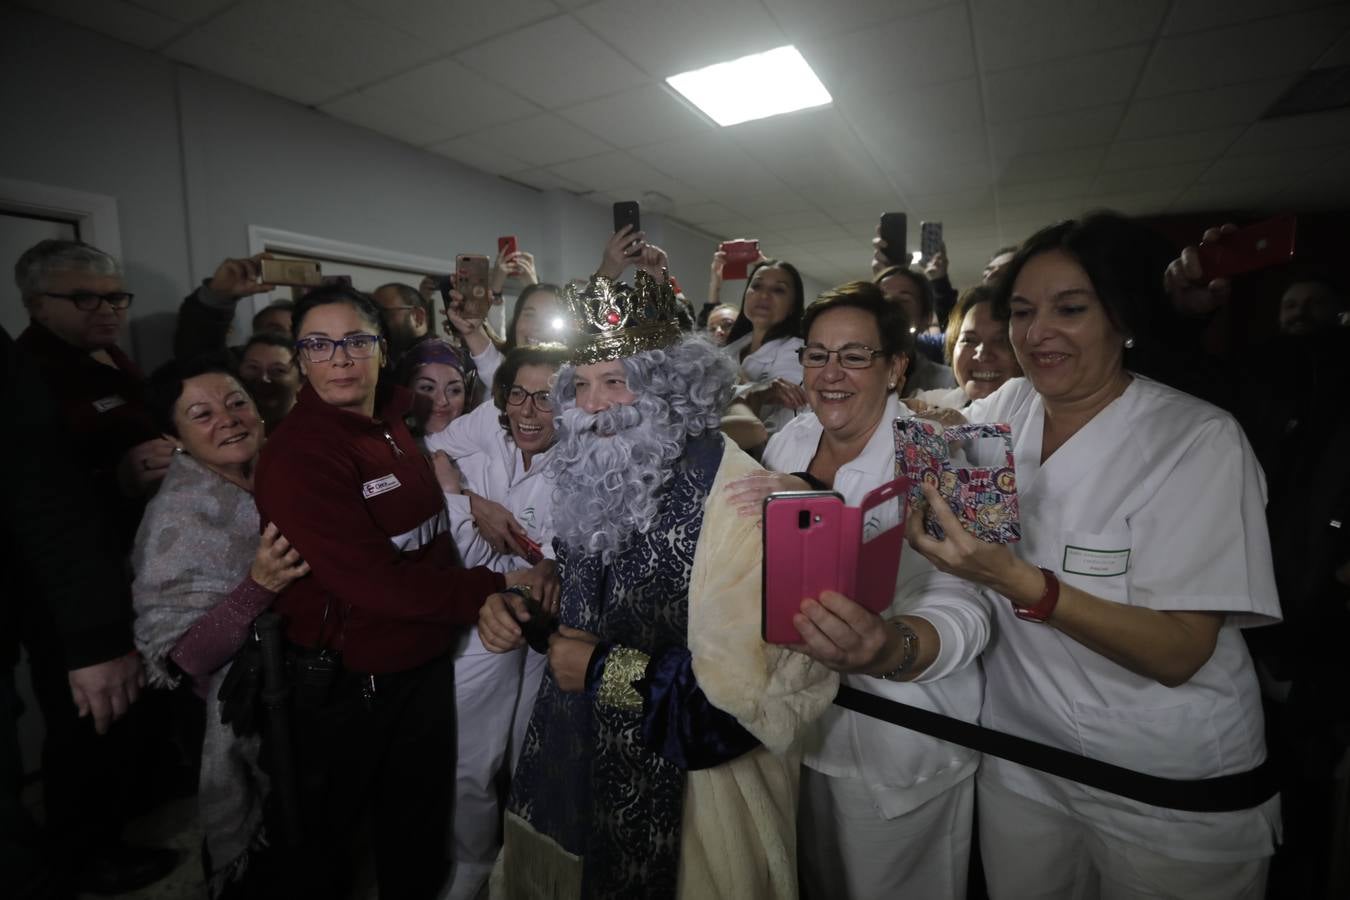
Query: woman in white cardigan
[
  {"x": 885, "y": 812},
  {"x": 764, "y": 342}
]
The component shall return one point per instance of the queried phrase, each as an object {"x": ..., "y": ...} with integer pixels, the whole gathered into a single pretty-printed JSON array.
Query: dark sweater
[{"x": 359, "y": 501}]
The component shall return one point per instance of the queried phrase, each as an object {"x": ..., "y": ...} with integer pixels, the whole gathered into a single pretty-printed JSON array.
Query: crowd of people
[{"x": 422, "y": 609}]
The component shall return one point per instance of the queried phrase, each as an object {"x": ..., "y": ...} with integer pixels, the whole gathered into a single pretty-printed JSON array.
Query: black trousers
[{"x": 374, "y": 770}]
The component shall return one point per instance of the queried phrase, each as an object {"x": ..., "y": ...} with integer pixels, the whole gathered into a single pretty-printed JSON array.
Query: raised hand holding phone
[{"x": 621, "y": 251}]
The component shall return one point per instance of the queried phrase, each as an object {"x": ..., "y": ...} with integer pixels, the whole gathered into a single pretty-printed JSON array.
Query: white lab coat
[
  {"x": 487, "y": 364},
  {"x": 494, "y": 692},
  {"x": 883, "y": 772},
  {"x": 774, "y": 359},
  {"x": 1158, "y": 502}
]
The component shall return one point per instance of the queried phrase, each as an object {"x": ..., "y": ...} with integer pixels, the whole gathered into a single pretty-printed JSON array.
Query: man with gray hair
[
  {"x": 78, "y": 307},
  {"x": 661, "y": 748}
]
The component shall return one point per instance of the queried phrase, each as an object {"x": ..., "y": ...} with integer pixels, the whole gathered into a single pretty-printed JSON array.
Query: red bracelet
[{"x": 1045, "y": 607}]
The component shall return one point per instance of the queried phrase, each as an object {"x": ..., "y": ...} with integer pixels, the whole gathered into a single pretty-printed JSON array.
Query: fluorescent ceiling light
[{"x": 753, "y": 87}]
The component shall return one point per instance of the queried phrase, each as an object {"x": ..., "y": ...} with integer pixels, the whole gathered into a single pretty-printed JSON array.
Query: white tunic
[
  {"x": 1158, "y": 502},
  {"x": 903, "y": 769},
  {"x": 774, "y": 359},
  {"x": 492, "y": 467}
]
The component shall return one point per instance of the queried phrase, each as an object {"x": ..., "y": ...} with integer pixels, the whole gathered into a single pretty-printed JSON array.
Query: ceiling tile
[
  {"x": 455, "y": 24},
  {"x": 933, "y": 109},
  {"x": 1176, "y": 148},
  {"x": 707, "y": 211},
  {"x": 1160, "y": 178},
  {"x": 1282, "y": 45},
  {"x": 811, "y": 18},
  {"x": 712, "y": 161},
  {"x": 545, "y": 180},
  {"x": 442, "y": 99},
  {"x": 645, "y": 115},
  {"x": 1013, "y": 33},
  {"x": 1047, "y": 165},
  {"x": 1135, "y": 203},
  {"x": 1286, "y": 164},
  {"x": 900, "y": 153},
  {"x": 851, "y": 190},
  {"x": 1256, "y": 196},
  {"x": 1237, "y": 104},
  {"x": 1075, "y": 128},
  {"x": 306, "y": 50},
  {"x": 554, "y": 63},
  {"x": 693, "y": 33},
  {"x": 1057, "y": 189},
  {"x": 770, "y": 204},
  {"x": 933, "y": 176},
  {"x": 962, "y": 200},
  {"x": 931, "y": 47},
  {"x": 115, "y": 18},
  {"x": 798, "y": 147},
  {"x": 1099, "y": 79},
  {"x": 472, "y": 152},
  {"x": 814, "y": 234},
  {"x": 615, "y": 170},
  {"x": 542, "y": 140},
  {"x": 957, "y": 219},
  {"x": 1202, "y": 15},
  {"x": 1293, "y": 132}
]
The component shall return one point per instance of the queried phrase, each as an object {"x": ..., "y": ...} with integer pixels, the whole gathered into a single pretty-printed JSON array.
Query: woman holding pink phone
[{"x": 884, "y": 811}]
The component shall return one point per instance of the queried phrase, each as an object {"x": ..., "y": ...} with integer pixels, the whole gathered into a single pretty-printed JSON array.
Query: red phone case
[
  {"x": 740, "y": 254},
  {"x": 1260, "y": 246},
  {"x": 507, "y": 245},
  {"x": 534, "y": 553},
  {"x": 854, "y": 550}
]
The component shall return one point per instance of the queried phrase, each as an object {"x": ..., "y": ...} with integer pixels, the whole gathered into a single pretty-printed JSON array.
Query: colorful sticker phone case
[{"x": 983, "y": 497}]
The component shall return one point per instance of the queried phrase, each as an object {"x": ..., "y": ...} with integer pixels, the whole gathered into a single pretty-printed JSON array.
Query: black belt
[{"x": 1226, "y": 793}]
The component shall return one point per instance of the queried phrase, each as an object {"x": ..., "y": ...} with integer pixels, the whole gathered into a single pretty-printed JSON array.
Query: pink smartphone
[
  {"x": 880, "y": 541},
  {"x": 803, "y": 534}
]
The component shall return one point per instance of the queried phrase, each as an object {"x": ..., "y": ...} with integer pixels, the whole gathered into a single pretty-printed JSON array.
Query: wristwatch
[
  {"x": 1045, "y": 607},
  {"x": 910, "y": 639}
]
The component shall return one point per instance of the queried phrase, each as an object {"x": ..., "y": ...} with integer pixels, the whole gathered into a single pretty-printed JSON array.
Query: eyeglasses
[
  {"x": 518, "y": 395},
  {"x": 855, "y": 356},
  {"x": 356, "y": 346},
  {"x": 88, "y": 301}
]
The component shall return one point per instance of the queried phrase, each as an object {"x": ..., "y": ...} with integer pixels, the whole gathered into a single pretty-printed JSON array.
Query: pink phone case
[{"x": 814, "y": 543}]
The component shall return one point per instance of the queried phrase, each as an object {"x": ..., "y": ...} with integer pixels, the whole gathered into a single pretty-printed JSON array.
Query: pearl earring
[
  {"x": 1129, "y": 343},
  {"x": 891, "y": 386}
]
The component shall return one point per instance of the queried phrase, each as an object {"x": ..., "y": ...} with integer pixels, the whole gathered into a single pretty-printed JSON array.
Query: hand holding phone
[
  {"x": 983, "y": 495},
  {"x": 894, "y": 230},
  {"x": 1260, "y": 246},
  {"x": 292, "y": 272}
]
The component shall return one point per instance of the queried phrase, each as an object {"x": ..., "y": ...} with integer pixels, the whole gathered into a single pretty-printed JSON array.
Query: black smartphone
[
  {"x": 894, "y": 230},
  {"x": 627, "y": 212}
]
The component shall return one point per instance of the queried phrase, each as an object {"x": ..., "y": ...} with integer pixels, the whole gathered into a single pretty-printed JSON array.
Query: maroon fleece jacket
[{"x": 359, "y": 501}]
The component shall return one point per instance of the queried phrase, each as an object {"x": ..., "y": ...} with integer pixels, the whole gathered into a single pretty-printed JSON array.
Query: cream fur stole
[{"x": 738, "y": 838}]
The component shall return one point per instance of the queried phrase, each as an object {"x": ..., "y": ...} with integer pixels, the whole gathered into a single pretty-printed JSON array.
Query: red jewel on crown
[{"x": 612, "y": 317}]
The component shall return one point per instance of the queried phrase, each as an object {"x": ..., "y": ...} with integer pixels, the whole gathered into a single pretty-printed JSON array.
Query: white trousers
[
  {"x": 1031, "y": 850},
  {"x": 487, "y": 686},
  {"x": 848, "y": 851}
]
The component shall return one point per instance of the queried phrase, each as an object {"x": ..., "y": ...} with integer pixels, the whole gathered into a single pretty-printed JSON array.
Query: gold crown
[{"x": 610, "y": 320}]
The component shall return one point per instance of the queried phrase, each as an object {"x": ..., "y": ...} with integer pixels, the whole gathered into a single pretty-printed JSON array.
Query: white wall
[{"x": 193, "y": 160}]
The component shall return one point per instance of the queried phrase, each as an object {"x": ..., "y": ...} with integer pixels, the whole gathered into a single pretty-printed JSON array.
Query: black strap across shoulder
[{"x": 1242, "y": 790}]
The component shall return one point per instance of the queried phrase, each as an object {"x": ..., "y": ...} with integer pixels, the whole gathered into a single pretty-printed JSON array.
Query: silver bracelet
[{"x": 910, "y": 637}]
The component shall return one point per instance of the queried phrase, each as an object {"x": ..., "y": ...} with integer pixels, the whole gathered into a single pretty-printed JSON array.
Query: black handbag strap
[{"x": 1242, "y": 790}]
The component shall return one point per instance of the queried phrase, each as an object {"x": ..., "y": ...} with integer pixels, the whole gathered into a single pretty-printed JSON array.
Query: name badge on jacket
[
  {"x": 108, "y": 403},
  {"x": 378, "y": 486}
]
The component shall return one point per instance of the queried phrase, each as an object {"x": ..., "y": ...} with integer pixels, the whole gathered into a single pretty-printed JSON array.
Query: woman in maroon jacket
[{"x": 371, "y": 627}]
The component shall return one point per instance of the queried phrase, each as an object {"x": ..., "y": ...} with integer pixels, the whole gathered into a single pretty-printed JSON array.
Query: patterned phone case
[{"x": 983, "y": 498}]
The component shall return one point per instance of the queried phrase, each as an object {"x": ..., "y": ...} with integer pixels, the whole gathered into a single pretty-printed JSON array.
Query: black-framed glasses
[
  {"x": 356, "y": 346},
  {"x": 853, "y": 356},
  {"x": 518, "y": 395},
  {"x": 88, "y": 301}
]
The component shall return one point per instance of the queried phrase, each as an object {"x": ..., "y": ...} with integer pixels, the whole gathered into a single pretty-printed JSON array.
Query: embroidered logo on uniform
[
  {"x": 378, "y": 486},
  {"x": 1097, "y": 563},
  {"x": 108, "y": 403}
]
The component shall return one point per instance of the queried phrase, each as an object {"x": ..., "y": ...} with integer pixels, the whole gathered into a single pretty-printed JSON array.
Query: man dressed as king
[{"x": 660, "y": 760}]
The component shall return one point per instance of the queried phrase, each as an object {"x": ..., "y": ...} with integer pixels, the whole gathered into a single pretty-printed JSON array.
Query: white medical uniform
[
  {"x": 774, "y": 359},
  {"x": 1157, "y": 502},
  {"x": 886, "y": 812},
  {"x": 494, "y": 692}
]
